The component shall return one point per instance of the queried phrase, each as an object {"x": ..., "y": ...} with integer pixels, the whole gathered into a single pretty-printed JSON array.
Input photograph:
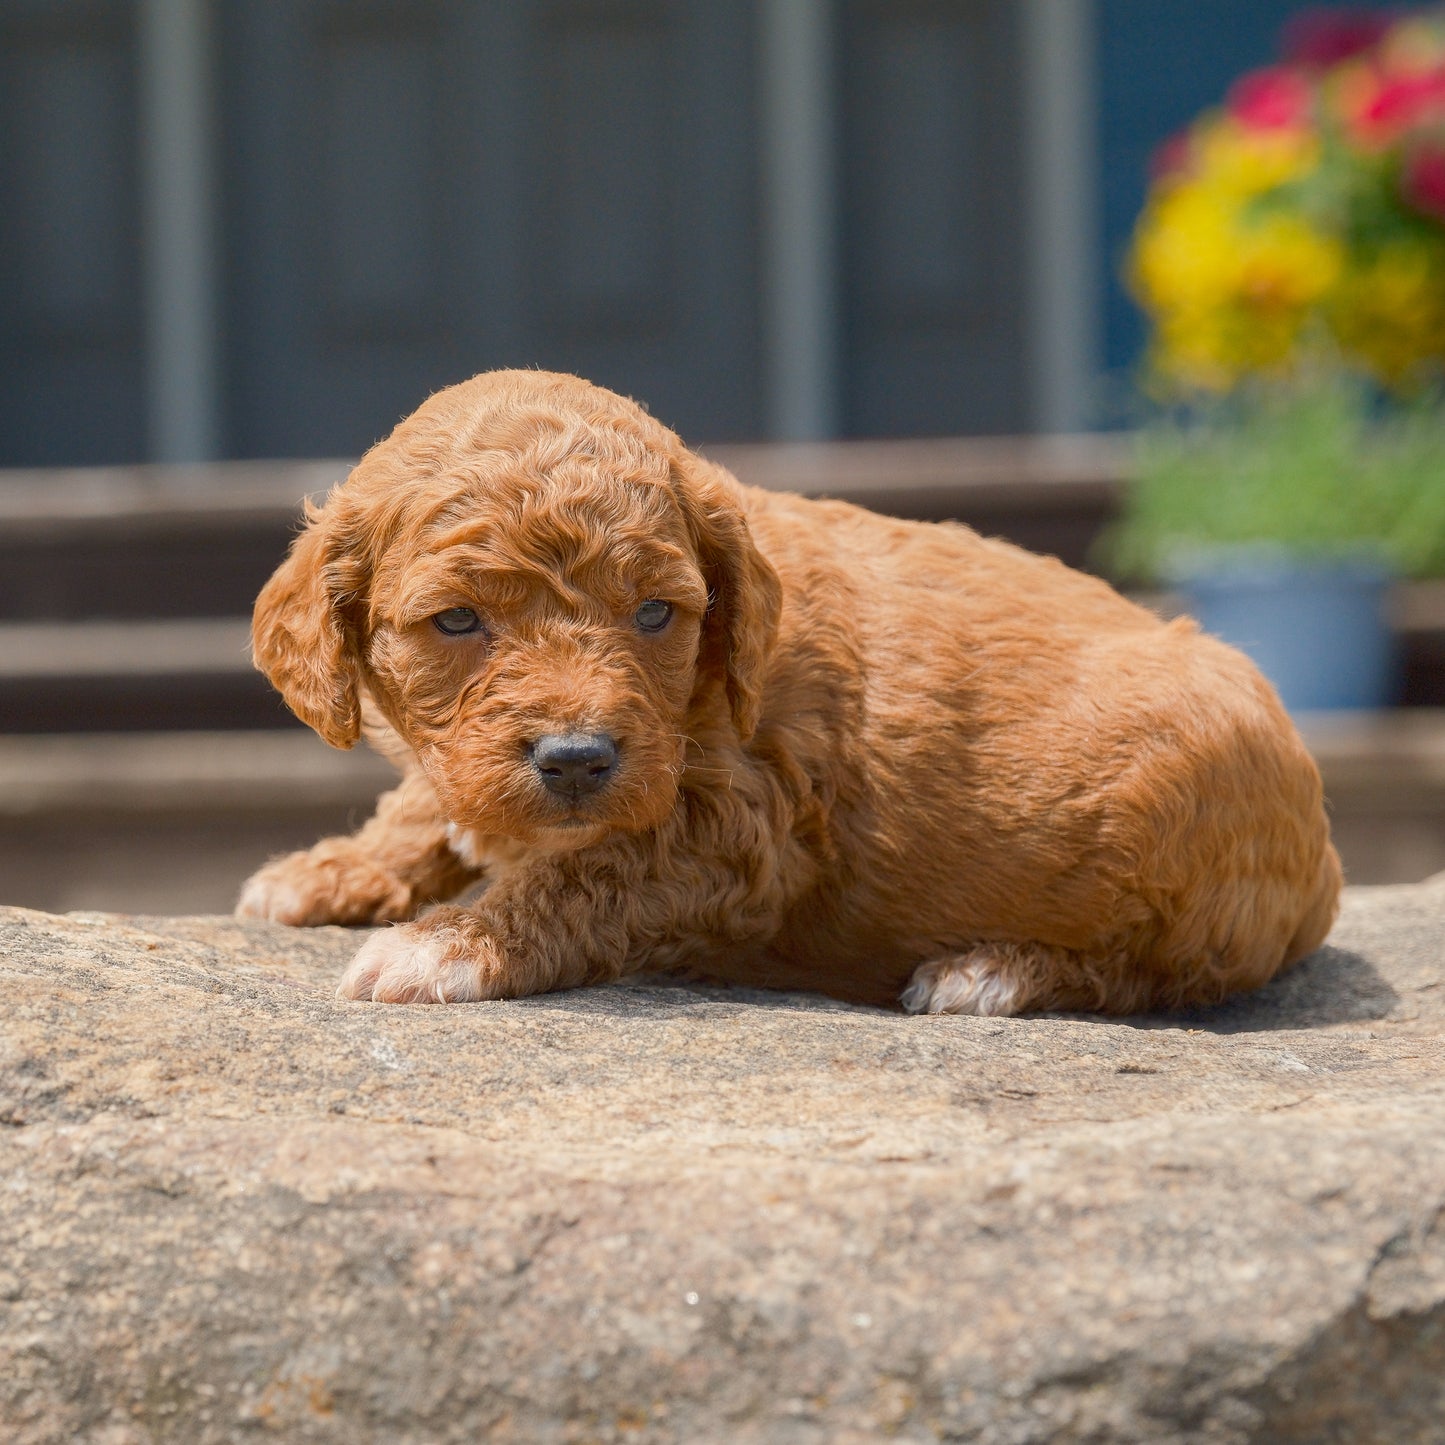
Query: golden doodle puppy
[{"x": 677, "y": 723}]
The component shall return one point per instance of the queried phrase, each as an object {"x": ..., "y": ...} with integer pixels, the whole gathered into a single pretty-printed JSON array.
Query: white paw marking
[
  {"x": 403, "y": 965},
  {"x": 273, "y": 899},
  {"x": 965, "y": 986}
]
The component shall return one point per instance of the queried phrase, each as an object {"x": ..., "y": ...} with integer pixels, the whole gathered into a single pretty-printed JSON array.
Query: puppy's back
[{"x": 1018, "y": 752}]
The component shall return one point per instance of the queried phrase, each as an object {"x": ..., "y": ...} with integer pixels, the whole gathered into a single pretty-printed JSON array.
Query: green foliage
[{"x": 1318, "y": 466}]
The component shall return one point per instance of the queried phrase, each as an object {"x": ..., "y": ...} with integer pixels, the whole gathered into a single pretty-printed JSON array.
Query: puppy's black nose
[{"x": 572, "y": 764}]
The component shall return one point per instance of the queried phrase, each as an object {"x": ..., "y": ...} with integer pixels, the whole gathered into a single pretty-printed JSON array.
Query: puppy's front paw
[
  {"x": 417, "y": 964},
  {"x": 306, "y": 890}
]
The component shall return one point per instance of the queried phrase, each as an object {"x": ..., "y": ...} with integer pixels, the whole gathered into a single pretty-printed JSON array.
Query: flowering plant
[
  {"x": 1311, "y": 464},
  {"x": 1306, "y": 216}
]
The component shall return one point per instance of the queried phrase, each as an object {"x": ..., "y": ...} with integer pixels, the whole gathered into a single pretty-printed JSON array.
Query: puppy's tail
[{"x": 1324, "y": 904}]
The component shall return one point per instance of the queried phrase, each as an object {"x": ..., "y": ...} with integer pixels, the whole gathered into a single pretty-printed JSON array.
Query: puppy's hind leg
[{"x": 1001, "y": 979}]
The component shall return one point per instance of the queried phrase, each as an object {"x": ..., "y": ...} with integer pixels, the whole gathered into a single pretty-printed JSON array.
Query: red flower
[
  {"x": 1325, "y": 36},
  {"x": 1398, "y": 104},
  {"x": 1422, "y": 181},
  {"x": 1278, "y": 98}
]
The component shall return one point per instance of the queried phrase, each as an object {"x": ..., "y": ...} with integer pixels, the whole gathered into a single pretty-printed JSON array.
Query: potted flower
[
  {"x": 1282, "y": 513},
  {"x": 1291, "y": 259}
]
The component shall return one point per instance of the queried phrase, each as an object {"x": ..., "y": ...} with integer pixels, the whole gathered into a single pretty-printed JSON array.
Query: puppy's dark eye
[
  {"x": 653, "y": 616},
  {"x": 457, "y": 620}
]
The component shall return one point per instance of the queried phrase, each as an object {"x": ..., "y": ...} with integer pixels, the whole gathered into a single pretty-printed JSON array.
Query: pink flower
[
  {"x": 1325, "y": 36},
  {"x": 1171, "y": 157},
  {"x": 1278, "y": 98},
  {"x": 1422, "y": 182}
]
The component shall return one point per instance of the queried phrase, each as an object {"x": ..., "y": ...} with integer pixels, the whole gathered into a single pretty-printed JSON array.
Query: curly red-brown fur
[{"x": 875, "y": 758}]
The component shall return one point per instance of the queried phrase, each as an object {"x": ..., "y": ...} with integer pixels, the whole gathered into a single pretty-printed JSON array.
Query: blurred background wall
[
  {"x": 259, "y": 228},
  {"x": 234, "y": 232}
]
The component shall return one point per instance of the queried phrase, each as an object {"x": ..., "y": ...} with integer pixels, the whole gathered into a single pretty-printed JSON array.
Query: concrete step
[
  {"x": 106, "y": 675},
  {"x": 147, "y": 542},
  {"x": 98, "y": 648},
  {"x": 123, "y": 590},
  {"x": 168, "y": 822},
  {"x": 173, "y": 822},
  {"x": 160, "y": 773}
]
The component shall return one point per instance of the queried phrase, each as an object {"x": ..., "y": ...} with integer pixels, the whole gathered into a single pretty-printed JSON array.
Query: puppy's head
[{"x": 543, "y": 591}]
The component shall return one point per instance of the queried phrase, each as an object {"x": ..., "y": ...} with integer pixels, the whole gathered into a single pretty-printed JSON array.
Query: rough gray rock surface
[{"x": 233, "y": 1208}]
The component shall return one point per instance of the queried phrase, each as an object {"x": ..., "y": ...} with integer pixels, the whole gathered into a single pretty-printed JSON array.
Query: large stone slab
[{"x": 233, "y": 1208}]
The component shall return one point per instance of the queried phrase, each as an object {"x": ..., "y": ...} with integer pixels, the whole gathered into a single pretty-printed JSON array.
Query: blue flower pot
[{"x": 1317, "y": 627}]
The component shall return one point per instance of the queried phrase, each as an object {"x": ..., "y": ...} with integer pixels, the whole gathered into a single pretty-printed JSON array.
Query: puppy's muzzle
[{"x": 572, "y": 765}]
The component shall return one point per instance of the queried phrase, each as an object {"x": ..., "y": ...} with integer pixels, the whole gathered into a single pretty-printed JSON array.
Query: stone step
[
  {"x": 122, "y": 590},
  {"x": 173, "y": 822},
  {"x": 1398, "y": 756},
  {"x": 212, "y": 771},
  {"x": 165, "y": 647},
  {"x": 146, "y": 542},
  {"x": 168, "y": 822},
  {"x": 106, "y": 674}
]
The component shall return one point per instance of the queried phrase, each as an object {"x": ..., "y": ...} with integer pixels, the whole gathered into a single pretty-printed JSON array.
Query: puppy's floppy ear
[
  {"x": 744, "y": 594},
  {"x": 299, "y": 637}
]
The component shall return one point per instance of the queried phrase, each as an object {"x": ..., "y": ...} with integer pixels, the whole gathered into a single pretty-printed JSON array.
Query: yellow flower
[
  {"x": 1185, "y": 248},
  {"x": 1390, "y": 308},
  {"x": 1236, "y": 259},
  {"x": 1229, "y": 287},
  {"x": 1241, "y": 162},
  {"x": 1284, "y": 263},
  {"x": 1192, "y": 349}
]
